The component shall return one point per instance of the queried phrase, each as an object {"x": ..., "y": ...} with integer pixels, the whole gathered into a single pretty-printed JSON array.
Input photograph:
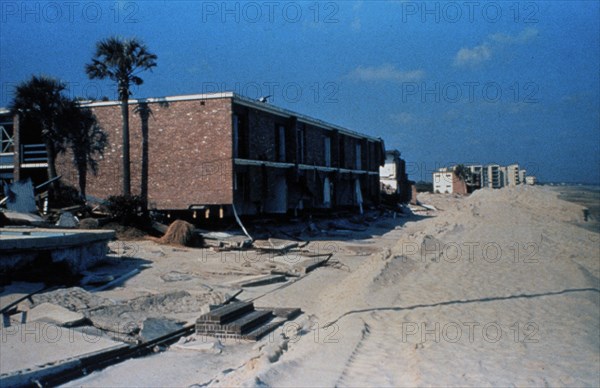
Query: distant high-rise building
[
  {"x": 512, "y": 175},
  {"x": 522, "y": 175},
  {"x": 492, "y": 176},
  {"x": 476, "y": 179}
]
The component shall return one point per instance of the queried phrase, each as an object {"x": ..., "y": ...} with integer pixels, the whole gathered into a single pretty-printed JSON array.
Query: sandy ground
[{"x": 499, "y": 288}]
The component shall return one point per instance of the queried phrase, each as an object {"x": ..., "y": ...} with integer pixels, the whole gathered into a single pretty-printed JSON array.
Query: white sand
[{"x": 500, "y": 288}]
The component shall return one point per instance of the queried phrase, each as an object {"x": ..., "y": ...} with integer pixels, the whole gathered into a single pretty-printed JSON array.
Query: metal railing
[{"x": 33, "y": 153}]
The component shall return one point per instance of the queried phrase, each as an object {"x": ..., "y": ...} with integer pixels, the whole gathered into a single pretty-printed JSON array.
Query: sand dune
[{"x": 500, "y": 288}]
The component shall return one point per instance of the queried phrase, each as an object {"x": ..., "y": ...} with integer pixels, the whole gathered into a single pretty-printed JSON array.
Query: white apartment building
[
  {"x": 522, "y": 175},
  {"x": 512, "y": 175},
  {"x": 442, "y": 182},
  {"x": 493, "y": 176}
]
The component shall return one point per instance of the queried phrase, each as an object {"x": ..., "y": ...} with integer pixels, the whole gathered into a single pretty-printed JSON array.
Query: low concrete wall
[{"x": 78, "y": 250}]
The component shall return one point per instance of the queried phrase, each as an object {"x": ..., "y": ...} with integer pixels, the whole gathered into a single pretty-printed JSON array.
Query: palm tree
[
  {"x": 144, "y": 111},
  {"x": 40, "y": 101},
  {"x": 121, "y": 60},
  {"x": 463, "y": 173},
  {"x": 82, "y": 133}
]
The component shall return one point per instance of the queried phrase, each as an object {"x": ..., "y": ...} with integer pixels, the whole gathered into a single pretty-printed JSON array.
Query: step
[
  {"x": 260, "y": 331},
  {"x": 226, "y": 313},
  {"x": 243, "y": 324},
  {"x": 249, "y": 321}
]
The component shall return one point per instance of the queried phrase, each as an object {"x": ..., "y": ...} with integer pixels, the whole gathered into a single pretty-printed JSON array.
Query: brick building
[{"x": 211, "y": 151}]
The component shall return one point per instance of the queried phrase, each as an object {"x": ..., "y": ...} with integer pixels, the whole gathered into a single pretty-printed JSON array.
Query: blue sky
[{"x": 443, "y": 82}]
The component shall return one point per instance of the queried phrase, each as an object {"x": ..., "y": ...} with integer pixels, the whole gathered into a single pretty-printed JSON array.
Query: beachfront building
[
  {"x": 7, "y": 148},
  {"x": 222, "y": 153},
  {"x": 512, "y": 175},
  {"x": 445, "y": 181},
  {"x": 522, "y": 175},
  {"x": 492, "y": 176},
  {"x": 475, "y": 179},
  {"x": 530, "y": 180},
  {"x": 393, "y": 177}
]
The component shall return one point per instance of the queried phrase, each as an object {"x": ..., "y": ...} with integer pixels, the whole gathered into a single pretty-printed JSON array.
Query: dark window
[{"x": 300, "y": 144}]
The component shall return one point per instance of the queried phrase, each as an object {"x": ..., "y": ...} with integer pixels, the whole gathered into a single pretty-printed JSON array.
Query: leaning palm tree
[
  {"x": 40, "y": 102},
  {"x": 121, "y": 60}
]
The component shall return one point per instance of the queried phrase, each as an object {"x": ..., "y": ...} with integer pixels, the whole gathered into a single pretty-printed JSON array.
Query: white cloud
[
  {"x": 482, "y": 53},
  {"x": 525, "y": 36},
  {"x": 473, "y": 56},
  {"x": 403, "y": 118},
  {"x": 385, "y": 72}
]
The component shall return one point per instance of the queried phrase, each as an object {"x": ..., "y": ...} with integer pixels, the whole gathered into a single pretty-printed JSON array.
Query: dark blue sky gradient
[{"x": 443, "y": 82}]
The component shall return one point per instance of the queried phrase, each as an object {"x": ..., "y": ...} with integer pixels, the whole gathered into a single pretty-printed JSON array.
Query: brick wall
[{"x": 189, "y": 149}]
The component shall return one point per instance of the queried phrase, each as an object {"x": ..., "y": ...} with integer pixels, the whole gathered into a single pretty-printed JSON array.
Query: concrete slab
[
  {"x": 308, "y": 265},
  {"x": 16, "y": 291},
  {"x": 51, "y": 313},
  {"x": 153, "y": 328},
  {"x": 79, "y": 250},
  {"x": 37, "y": 344}
]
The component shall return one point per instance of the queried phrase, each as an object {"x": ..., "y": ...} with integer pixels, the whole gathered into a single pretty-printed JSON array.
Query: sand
[{"x": 498, "y": 288}]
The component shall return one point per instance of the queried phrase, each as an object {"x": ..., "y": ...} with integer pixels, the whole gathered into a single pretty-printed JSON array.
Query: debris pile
[{"x": 179, "y": 233}]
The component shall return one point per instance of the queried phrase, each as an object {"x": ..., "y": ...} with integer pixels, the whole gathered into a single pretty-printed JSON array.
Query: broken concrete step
[
  {"x": 238, "y": 327},
  {"x": 249, "y": 321},
  {"x": 270, "y": 279},
  {"x": 263, "y": 330},
  {"x": 226, "y": 313}
]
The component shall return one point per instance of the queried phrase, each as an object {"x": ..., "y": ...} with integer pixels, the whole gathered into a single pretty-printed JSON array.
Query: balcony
[
  {"x": 33, "y": 156},
  {"x": 7, "y": 160}
]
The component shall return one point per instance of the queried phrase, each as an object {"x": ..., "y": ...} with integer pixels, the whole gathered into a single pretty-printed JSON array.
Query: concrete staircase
[{"x": 241, "y": 320}]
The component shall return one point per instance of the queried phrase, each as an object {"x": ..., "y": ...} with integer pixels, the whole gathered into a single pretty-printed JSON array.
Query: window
[
  {"x": 300, "y": 145},
  {"x": 327, "y": 188},
  {"x": 240, "y": 136},
  {"x": 358, "y": 162},
  {"x": 281, "y": 143},
  {"x": 327, "y": 151}
]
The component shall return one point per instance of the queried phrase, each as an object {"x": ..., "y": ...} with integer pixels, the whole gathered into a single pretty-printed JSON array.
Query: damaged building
[
  {"x": 394, "y": 179},
  {"x": 211, "y": 153}
]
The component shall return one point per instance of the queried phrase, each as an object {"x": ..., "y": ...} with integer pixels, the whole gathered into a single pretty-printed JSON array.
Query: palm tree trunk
[
  {"x": 82, "y": 172},
  {"x": 144, "y": 188},
  {"x": 51, "y": 154},
  {"x": 126, "y": 164}
]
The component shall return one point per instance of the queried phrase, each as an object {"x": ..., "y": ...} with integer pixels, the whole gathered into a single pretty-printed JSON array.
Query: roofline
[
  {"x": 239, "y": 99},
  {"x": 265, "y": 107},
  {"x": 185, "y": 97}
]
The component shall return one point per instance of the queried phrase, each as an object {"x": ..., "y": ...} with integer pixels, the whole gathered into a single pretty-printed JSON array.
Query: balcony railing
[
  {"x": 33, "y": 153},
  {"x": 7, "y": 160}
]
